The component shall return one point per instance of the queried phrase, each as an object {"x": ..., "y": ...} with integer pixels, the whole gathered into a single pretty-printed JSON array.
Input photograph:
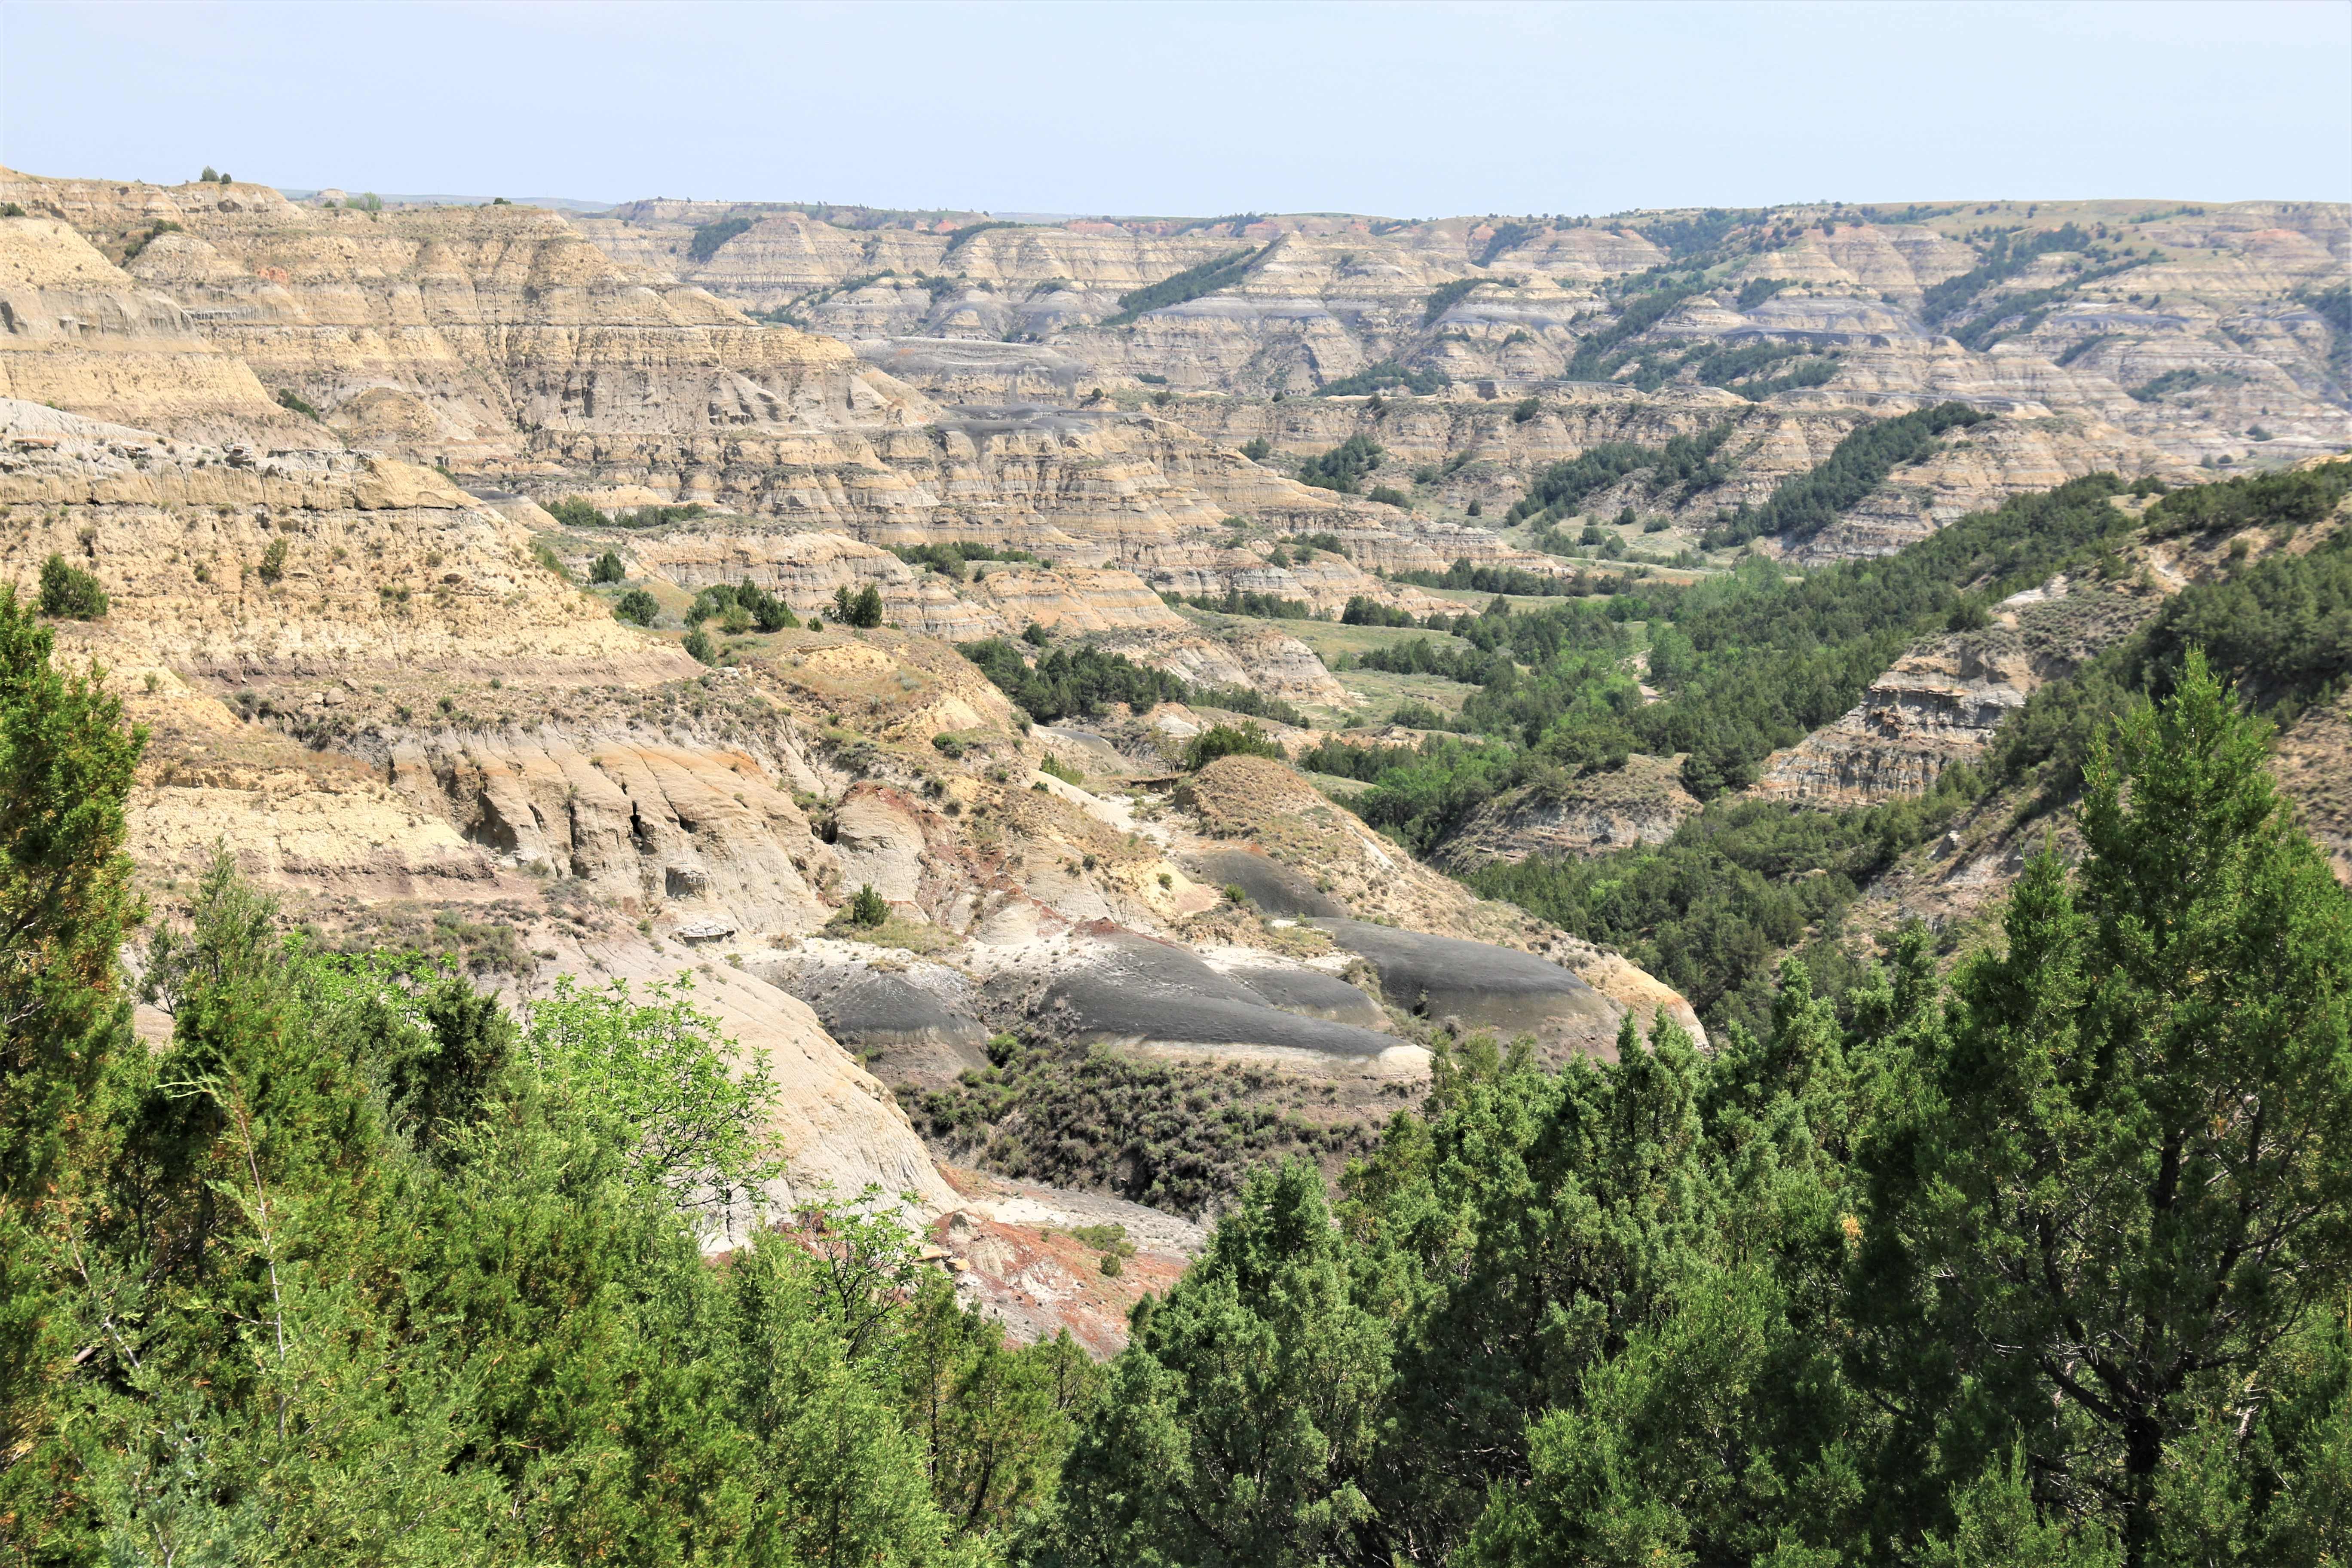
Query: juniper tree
[{"x": 2126, "y": 1181}]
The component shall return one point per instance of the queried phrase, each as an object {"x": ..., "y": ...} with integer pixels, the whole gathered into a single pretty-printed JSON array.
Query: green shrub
[
  {"x": 1366, "y": 612},
  {"x": 288, "y": 398},
  {"x": 1526, "y": 408},
  {"x": 862, "y": 608},
  {"x": 972, "y": 231},
  {"x": 946, "y": 746},
  {"x": 140, "y": 243},
  {"x": 1189, "y": 284},
  {"x": 1177, "y": 1136},
  {"x": 1387, "y": 495},
  {"x": 1446, "y": 296},
  {"x": 572, "y": 512},
  {"x": 1344, "y": 466},
  {"x": 699, "y": 647},
  {"x": 637, "y": 605},
  {"x": 273, "y": 561},
  {"x": 1111, "y": 1238},
  {"x": 1245, "y": 699},
  {"x": 71, "y": 593},
  {"x": 1413, "y": 714},
  {"x": 1050, "y": 763},
  {"x": 1803, "y": 504},
  {"x": 1257, "y": 448},
  {"x": 1685, "y": 465},
  {"x": 1230, "y": 740},
  {"x": 709, "y": 236},
  {"x": 953, "y": 559},
  {"x": 1383, "y": 376},
  {"x": 607, "y": 569},
  {"x": 1490, "y": 580},
  {"x": 1249, "y": 602},
  {"x": 868, "y": 908}
]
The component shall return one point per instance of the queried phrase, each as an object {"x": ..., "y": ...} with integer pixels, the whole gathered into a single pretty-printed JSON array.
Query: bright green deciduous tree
[{"x": 678, "y": 1093}]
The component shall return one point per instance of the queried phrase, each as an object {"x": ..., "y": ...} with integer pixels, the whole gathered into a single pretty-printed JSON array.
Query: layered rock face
[
  {"x": 476, "y": 336},
  {"x": 1593, "y": 813},
  {"x": 1940, "y": 704},
  {"x": 77, "y": 332},
  {"x": 354, "y": 602},
  {"x": 2153, "y": 339}
]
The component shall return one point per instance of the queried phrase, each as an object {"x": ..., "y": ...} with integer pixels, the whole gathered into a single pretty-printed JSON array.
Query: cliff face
[
  {"x": 77, "y": 332},
  {"x": 490, "y": 339}
]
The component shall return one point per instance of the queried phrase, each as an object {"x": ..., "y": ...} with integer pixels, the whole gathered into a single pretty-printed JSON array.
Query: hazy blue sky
[{"x": 1402, "y": 109}]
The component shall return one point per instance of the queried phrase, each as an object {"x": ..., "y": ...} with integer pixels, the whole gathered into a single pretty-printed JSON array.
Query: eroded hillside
[{"x": 862, "y": 617}]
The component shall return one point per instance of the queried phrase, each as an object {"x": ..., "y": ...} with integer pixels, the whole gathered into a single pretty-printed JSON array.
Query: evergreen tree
[
  {"x": 1238, "y": 1426},
  {"x": 66, "y": 900},
  {"x": 2126, "y": 1181}
]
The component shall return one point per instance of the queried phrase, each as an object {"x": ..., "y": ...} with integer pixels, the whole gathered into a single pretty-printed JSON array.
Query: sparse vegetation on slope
[
  {"x": 1810, "y": 501},
  {"x": 710, "y": 238},
  {"x": 1385, "y": 376},
  {"x": 1178, "y": 1138},
  {"x": 1343, "y": 468},
  {"x": 1189, "y": 284},
  {"x": 1080, "y": 681}
]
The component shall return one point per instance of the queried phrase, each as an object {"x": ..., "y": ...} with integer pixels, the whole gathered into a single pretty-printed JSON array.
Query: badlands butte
[{"x": 370, "y": 489}]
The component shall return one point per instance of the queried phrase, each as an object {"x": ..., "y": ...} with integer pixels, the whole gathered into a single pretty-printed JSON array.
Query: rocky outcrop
[
  {"x": 221, "y": 559},
  {"x": 78, "y": 333},
  {"x": 1594, "y": 813},
  {"x": 1937, "y": 705},
  {"x": 2215, "y": 301},
  {"x": 1940, "y": 704}
]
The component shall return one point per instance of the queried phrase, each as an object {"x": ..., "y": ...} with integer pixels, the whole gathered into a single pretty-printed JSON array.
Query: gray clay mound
[
  {"x": 1314, "y": 992},
  {"x": 1481, "y": 985},
  {"x": 1137, "y": 990},
  {"x": 1273, "y": 887},
  {"x": 902, "y": 1031}
]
